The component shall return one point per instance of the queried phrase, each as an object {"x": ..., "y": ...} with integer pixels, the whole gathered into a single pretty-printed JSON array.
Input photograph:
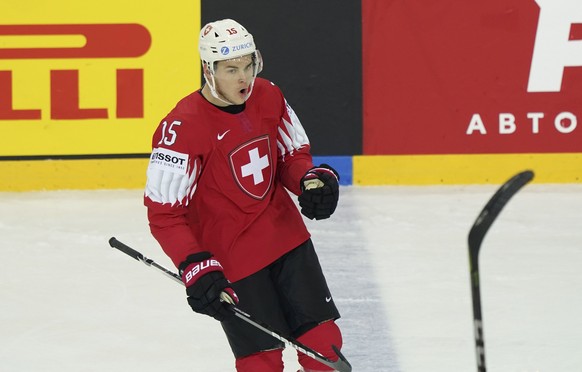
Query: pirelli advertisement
[
  {"x": 84, "y": 84},
  {"x": 417, "y": 92}
]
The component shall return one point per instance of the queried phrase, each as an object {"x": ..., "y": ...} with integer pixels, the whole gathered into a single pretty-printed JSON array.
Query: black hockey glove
[
  {"x": 207, "y": 288},
  {"x": 319, "y": 192}
]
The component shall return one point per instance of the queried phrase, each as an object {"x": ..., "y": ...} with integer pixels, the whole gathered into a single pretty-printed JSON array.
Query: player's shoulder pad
[
  {"x": 262, "y": 83},
  {"x": 190, "y": 110},
  {"x": 264, "y": 87}
]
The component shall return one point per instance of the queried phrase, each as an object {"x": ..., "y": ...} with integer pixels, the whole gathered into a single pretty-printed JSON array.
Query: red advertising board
[{"x": 466, "y": 77}]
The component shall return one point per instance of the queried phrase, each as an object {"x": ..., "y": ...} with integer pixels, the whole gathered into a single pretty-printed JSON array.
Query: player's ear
[{"x": 206, "y": 70}]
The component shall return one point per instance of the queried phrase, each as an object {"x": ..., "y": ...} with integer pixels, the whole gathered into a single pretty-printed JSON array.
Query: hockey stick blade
[
  {"x": 341, "y": 365},
  {"x": 494, "y": 207},
  {"x": 476, "y": 236}
]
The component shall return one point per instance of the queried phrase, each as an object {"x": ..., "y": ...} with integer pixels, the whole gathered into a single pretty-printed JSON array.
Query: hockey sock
[
  {"x": 320, "y": 339},
  {"x": 264, "y": 361}
]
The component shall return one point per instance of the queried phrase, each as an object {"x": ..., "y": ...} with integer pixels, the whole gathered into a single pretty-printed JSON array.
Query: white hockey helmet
[
  {"x": 223, "y": 40},
  {"x": 226, "y": 39}
]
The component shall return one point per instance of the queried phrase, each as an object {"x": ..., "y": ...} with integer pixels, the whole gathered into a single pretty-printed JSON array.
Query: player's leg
[
  {"x": 320, "y": 338},
  {"x": 308, "y": 305},
  {"x": 254, "y": 350},
  {"x": 263, "y": 361}
]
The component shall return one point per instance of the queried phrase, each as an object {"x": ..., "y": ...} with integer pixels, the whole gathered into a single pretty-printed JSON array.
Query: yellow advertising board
[{"x": 89, "y": 80}]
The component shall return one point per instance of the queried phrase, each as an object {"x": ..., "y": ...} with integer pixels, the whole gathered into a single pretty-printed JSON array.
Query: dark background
[{"x": 312, "y": 50}]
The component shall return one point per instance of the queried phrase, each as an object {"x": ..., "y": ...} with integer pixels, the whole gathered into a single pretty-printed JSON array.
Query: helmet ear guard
[{"x": 258, "y": 59}]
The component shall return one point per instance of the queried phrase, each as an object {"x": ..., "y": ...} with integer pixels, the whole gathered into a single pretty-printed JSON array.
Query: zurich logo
[{"x": 224, "y": 51}]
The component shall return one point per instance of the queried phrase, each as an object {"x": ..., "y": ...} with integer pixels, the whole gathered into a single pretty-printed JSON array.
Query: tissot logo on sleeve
[{"x": 169, "y": 161}]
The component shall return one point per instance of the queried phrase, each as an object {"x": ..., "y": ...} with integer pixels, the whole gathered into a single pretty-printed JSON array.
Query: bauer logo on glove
[
  {"x": 208, "y": 290},
  {"x": 204, "y": 266}
]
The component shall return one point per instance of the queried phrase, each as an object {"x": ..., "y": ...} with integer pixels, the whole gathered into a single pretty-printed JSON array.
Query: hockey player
[{"x": 222, "y": 162}]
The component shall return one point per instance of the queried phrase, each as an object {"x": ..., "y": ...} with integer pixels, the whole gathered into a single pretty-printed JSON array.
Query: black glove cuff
[
  {"x": 327, "y": 166},
  {"x": 323, "y": 176},
  {"x": 193, "y": 258}
]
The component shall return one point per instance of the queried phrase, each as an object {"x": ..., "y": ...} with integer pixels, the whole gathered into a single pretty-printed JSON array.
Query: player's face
[{"x": 233, "y": 78}]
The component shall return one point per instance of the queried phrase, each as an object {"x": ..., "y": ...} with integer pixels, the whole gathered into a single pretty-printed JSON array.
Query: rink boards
[{"x": 130, "y": 173}]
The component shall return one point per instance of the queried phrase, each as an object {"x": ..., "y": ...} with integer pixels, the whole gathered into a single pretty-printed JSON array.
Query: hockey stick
[
  {"x": 476, "y": 236},
  {"x": 341, "y": 365}
]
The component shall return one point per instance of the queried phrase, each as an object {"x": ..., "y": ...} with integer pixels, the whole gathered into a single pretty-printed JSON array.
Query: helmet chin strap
[{"x": 214, "y": 92}]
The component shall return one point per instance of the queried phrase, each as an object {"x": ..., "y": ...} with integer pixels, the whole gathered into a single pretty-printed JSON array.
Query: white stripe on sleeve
[
  {"x": 165, "y": 185},
  {"x": 292, "y": 136}
]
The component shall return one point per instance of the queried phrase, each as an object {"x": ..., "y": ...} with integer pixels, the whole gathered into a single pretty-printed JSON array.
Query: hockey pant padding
[
  {"x": 264, "y": 361},
  {"x": 320, "y": 339}
]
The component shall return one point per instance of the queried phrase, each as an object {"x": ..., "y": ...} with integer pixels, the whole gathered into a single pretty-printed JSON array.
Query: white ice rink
[{"x": 395, "y": 258}]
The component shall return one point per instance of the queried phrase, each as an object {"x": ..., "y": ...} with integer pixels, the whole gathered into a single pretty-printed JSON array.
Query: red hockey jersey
[{"x": 218, "y": 181}]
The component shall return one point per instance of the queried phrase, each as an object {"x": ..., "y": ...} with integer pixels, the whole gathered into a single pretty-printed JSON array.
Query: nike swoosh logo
[
  {"x": 327, "y": 299},
  {"x": 221, "y": 136}
]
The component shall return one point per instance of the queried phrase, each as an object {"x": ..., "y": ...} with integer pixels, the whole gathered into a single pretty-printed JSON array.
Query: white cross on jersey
[{"x": 256, "y": 166}]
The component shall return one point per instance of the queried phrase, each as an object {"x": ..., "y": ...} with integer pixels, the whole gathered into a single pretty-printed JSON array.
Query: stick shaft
[{"x": 341, "y": 365}]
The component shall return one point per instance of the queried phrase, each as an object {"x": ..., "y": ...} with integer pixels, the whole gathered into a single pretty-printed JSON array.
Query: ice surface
[{"x": 395, "y": 258}]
